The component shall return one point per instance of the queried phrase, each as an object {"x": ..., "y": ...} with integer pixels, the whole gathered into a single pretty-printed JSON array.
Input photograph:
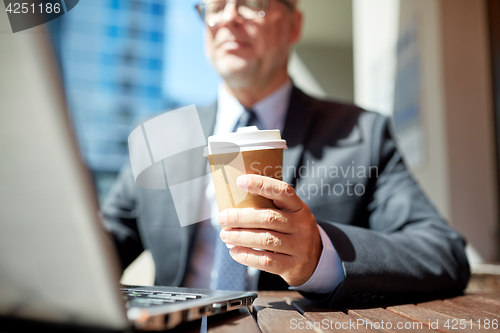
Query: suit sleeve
[
  {"x": 119, "y": 215},
  {"x": 408, "y": 252}
]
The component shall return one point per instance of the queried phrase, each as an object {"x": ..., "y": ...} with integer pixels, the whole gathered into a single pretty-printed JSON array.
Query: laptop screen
[{"x": 54, "y": 261}]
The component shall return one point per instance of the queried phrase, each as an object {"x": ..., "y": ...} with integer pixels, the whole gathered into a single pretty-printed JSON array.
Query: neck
[{"x": 253, "y": 93}]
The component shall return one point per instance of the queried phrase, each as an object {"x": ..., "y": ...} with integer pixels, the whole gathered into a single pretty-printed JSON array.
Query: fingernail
[
  {"x": 223, "y": 217},
  {"x": 242, "y": 182},
  {"x": 234, "y": 251},
  {"x": 223, "y": 234}
]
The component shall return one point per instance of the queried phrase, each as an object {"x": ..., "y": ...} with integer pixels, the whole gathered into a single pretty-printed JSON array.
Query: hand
[{"x": 289, "y": 234}]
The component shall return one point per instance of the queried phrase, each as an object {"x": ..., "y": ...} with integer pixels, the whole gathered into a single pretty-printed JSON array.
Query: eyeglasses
[{"x": 212, "y": 11}]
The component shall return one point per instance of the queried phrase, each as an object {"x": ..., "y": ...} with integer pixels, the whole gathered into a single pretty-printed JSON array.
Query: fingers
[
  {"x": 257, "y": 218},
  {"x": 260, "y": 239},
  {"x": 271, "y": 262},
  {"x": 281, "y": 193},
  {"x": 289, "y": 235}
]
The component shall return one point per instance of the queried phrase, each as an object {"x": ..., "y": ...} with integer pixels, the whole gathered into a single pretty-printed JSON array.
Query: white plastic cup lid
[{"x": 245, "y": 139}]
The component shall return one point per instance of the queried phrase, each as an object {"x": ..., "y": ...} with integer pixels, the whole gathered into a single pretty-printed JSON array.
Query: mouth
[{"x": 232, "y": 45}]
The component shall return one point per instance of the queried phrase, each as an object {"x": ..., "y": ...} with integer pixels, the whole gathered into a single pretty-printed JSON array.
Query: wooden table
[{"x": 289, "y": 312}]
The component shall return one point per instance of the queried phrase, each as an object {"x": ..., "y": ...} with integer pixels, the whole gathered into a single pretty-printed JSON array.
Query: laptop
[{"x": 57, "y": 264}]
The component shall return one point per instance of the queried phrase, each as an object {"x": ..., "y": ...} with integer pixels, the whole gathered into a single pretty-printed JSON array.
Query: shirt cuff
[{"x": 329, "y": 272}]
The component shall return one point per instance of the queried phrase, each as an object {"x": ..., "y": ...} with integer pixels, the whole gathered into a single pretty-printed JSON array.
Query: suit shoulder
[
  {"x": 327, "y": 109},
  {"x": 331, "y": 114}
]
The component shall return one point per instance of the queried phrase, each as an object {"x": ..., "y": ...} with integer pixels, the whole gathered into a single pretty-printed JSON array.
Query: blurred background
[{"x": 433, "y": 65}]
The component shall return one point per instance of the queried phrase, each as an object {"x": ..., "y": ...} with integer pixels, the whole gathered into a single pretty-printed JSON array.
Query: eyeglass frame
[{"x": 290, "y": 6}]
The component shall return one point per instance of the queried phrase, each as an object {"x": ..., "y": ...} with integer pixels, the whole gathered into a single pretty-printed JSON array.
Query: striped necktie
[{"x": 248, "y": 118}]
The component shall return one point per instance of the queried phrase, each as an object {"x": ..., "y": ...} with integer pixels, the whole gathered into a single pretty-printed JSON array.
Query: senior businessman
[{"x": 352, "y": 225}]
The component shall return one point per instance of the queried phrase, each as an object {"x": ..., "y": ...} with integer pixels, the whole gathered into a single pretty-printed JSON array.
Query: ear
[{"x": 296, "y": 26}]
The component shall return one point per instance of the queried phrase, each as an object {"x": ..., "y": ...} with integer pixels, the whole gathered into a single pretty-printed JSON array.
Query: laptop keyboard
[{"x": 147, "y": 298}]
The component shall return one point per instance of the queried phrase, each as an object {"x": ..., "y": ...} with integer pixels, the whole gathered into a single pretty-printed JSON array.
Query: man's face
[{"x": 247, "y": 51}]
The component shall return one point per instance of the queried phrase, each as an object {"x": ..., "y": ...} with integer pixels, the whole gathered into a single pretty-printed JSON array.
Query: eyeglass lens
[{"x": 213, "y": 12}]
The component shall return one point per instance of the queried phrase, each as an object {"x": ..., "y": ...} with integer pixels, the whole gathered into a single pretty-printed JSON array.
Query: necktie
[
  {"x": 248, "y": 118},
  {"x": 230, "y": 274}
]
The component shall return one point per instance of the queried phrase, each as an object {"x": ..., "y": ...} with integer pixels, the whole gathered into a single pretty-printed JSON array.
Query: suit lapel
[{"x": 298, "y": 125}]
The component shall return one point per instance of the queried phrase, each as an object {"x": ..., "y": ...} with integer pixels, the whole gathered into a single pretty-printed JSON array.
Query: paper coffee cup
[{"x": 247, "y": 151}]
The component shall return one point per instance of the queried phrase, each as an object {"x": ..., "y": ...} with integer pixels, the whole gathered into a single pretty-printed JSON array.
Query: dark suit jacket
[{"x": 391, "y": 240}]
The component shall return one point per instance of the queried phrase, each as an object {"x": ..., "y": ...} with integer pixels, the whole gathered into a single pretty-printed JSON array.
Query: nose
[{"x": 230, "y": 13}]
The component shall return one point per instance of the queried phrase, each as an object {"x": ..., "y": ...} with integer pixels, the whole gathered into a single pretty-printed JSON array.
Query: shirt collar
[{"x": 271, "y": 110}]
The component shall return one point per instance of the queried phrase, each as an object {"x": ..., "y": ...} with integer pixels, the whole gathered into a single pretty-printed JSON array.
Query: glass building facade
[{"x": 112, "y": 57}]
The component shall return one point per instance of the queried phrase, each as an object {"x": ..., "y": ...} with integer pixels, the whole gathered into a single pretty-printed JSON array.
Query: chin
[
  {"x": 230, "y": 64},
  {"x": 235, "y": 70}
]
